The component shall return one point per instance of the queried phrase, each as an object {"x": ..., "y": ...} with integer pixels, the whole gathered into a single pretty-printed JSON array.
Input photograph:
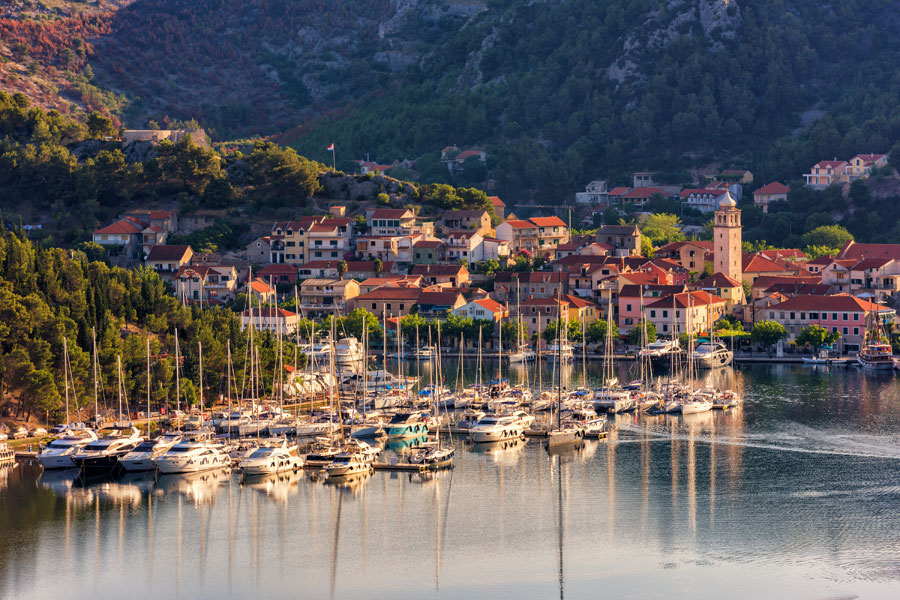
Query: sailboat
[
  {"x": 433, "y": 454},
  {"x": 102, "y": 456},
  {"x": 611, "y": 397},
  {"x": 59, "y": 454},
  {"x": 568, "y": 432},
  {"x": 522, "y": 353},
  {"x": 876, "y": 354}
]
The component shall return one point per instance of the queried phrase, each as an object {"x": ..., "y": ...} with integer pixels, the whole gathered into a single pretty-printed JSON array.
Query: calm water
[{"x": 794, "y": 496}]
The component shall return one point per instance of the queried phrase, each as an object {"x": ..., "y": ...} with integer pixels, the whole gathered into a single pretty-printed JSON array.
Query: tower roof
[{"x": 727, "y": 201}]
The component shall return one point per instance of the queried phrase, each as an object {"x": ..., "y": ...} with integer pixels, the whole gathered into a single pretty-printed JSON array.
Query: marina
[{"x": 724, "y": 499}]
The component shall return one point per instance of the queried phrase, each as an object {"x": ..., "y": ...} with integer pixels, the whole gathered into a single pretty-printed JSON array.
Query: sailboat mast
[
  {"x": 200, "y": 360},
  {"x": 148, "y": 386},
  {"x": 119, "y": 373},
  {"x": 66, "y": 375},
  {"x": 177, "y": 379},
  {"x": 559, "y": 359},
  {"x": 96, "y": 380}
]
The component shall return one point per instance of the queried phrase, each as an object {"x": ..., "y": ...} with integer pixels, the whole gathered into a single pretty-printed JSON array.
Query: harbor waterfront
[{"x": 790, "y": 495}]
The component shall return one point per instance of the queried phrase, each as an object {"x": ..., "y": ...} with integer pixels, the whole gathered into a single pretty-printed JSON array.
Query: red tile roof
[
  {"x": 491, "y": 305},
  {"x": 451, "y": 299},
  {"x": 542, "y": 302},
  {"x": 772, "y": 188},
  {"x": 830, "y": 163},
  {"x": 829, "y": 303},
  {"x": 718, "y": 280},
  {"x": 548, "y": 221},
  {"x": 634, "y": 291},
  {"x": 392, "y": 293},
  {"x": 119, "y": 227},
  {"x": 766, "y": 281},
  {"x": 529, "y": 276},
  {"x": 428, "y": 244},
  {"x": 520, "y": 224},
  {"x": 496, "y": 201},
  {"x": 853, "y": 250},
  {"x": 686, "y": 300},
  {"x": 277, "y": 269},
  {"x": 761, "y": 264},
  {"x": 619, "y": 191},
  {"x": 780, "y": 253},
  {"x": 643, "y": 193},
  {"x": 578, "y": 302},
  {"x": 162, "y": 252}
]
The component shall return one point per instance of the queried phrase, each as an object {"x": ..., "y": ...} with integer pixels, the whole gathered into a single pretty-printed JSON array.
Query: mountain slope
[{"x": 564, "y": 92}]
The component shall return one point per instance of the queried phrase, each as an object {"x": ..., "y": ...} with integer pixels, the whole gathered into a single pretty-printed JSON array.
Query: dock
[
  {"x": 399, "y": 466},
  {"x": 25, "y": 455}
]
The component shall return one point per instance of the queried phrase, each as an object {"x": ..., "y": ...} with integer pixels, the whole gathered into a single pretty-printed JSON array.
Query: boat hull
[
  {"x": 57, "y": 462},
  {"x": 99, "y": 465},
  {"x": 563, "y": 437},
  {"x": 169, "y": 467},
  {"x": 495, "y": 435},
  {"x": 138, "y": 464},
  {"x": 407, "y": 431}
]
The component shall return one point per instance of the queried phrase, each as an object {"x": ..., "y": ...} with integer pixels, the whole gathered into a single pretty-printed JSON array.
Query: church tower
[{"x": 727, "y": 238}]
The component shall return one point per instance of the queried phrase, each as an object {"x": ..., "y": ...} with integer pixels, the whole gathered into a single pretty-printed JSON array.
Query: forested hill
[
  {"x": 237, "y": 67},
  {"x": 564, "y": 92},
  {"x": 558, "y": 92}
]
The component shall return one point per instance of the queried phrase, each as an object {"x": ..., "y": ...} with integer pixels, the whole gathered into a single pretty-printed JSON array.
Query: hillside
[
  {"x": 558, "y": 92},
  {"x": 240, "y": 68},
  {"x": 564, "y": 92}
]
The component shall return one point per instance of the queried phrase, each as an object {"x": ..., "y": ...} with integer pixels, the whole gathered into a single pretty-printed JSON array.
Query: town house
[
  {"x": 686, "y": 312},
  {"x": 538, "y": 313},
  {"x": 210, "y": 284},
  {"x": 843, "y": 314},
  {"x": 320, "y": 297},
  {"x": 446, "y": 275}
]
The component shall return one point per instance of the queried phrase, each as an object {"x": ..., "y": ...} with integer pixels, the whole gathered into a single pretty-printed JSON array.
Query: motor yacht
[
  {"x": 564, "y": 352},
  {"x": 193, "y": 455},
  {"x": 527, "y": 420},
  {"x": 406, "y": 425},
  {"x": 102, "y": 455},
  {"x": 470, "y": 418},
  {"x": 322, "y": 453},
  {"x": 662, "y": 352},
  {"x": 709, "y": 355},
  {"x": 348, "y": 351},
  {"x": 348, "y": 464},
  {"x": 613, "y": 401},
  {"x": 319, "y": 425},
  {"x": 568, "y": 432},
  {"x": 432, "y": 455},
  {"x": 141, "y": 458},
  {"x": 272, "y": 459},
  {"x": 60, "y": 453},
  {"x": 496, "y": 427},
  {"x": 696, "y": 404}
]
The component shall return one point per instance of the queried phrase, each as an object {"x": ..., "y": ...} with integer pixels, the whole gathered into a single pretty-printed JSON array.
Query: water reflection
[{"x": 791, "y": 495}]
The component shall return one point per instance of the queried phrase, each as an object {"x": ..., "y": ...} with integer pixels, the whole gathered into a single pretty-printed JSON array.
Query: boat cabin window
[{"x": 145, "y": 447}]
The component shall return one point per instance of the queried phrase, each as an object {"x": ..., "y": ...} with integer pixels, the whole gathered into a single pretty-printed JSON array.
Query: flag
[{"x": 331, "y": 147}]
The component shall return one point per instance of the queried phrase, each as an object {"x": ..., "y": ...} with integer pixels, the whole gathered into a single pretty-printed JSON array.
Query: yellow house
[
  {"x": 723, "y": 286},
  {"x": 582, "y": 310}
]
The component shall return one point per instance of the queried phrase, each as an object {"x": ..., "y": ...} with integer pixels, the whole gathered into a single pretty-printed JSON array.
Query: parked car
[
  {"x": 37, "y": 431},
  {"x": 3, "y": 436},
  {"x": 20, "y": 433}
]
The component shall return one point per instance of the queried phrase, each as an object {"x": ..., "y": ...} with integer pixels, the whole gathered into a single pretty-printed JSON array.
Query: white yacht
[
  {"x": 272, "y": 459},
  {"x": 527, "y": 420},
  {"x": 192, "y": 455},
  {"x": 407, "y": 425},
  {"x": 494, "y": 428},
  {"x": 569, "y": 432},
  {"x": 348, "y": 351},
  {"x": 347, "y": 464},
  {"x": 470, "y": 418},
  {"x": 661, "y": 351},
  {"x": 432, "y": 455},
  {"x": 141, "y": 458},
  {"x": 564, "y": 352},
  {"x": 60, "y": 453},
  {"x": 613, "y": 401},
  {"x": 713, "y": 354},
  {"x": 696, "y": 404},
  {"x": 318, "y": 425},
  {"x": 102, "y": 455}
]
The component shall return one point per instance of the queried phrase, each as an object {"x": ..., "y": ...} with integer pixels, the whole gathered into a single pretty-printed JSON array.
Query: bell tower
[{"x": 727, "y": 238}]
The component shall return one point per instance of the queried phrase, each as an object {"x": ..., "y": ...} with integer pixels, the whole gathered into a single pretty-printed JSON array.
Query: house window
[
  {"x": 846, "y": 318},
  {"x": 373, "y": 306},
  {"x": 845, "y": 331},
  {"x": 665, "y": 327},
  {"x": 813, "y": 316},
  {"x": 628, "y": 307},
  {"x": 856, "y": 331},
  {"x": 792, "y": 316},
  {"x": 803, "y": 316},
  {"x": 834, "y": 317},
  {"x": 652, "y": 314},
  {"x": 856, "y": 316}
]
